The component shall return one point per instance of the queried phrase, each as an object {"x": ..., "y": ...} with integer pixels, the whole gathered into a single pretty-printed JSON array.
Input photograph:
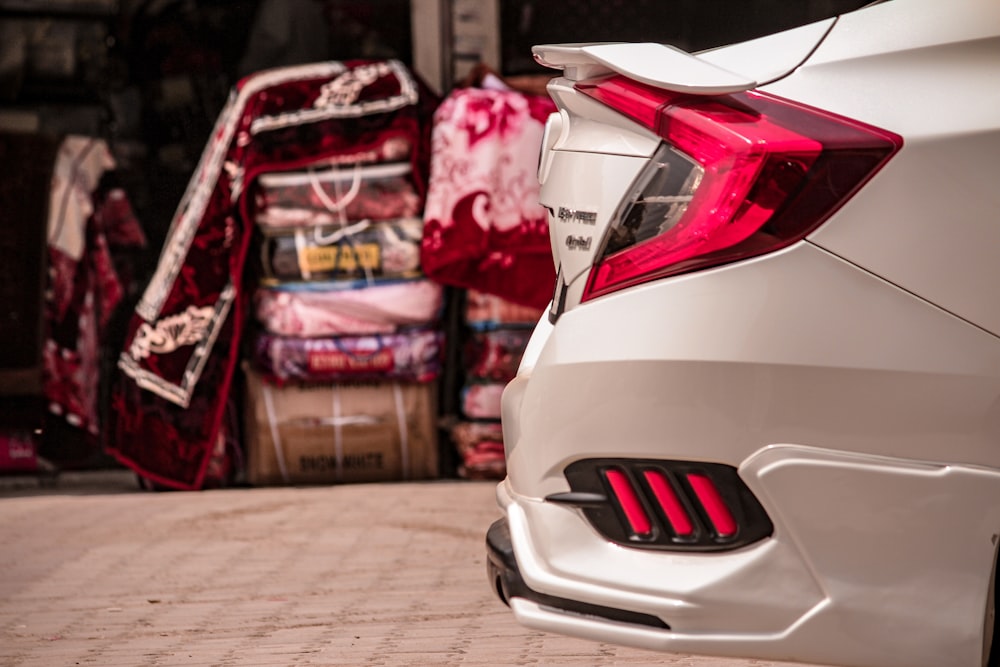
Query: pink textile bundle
[{"x": 377, "y": 308}]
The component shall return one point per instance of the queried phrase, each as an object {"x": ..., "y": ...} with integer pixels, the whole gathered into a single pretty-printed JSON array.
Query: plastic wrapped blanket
[
  {"x": 338, "y": 194},
  {"x": 495, "y": 355},
  {"x": 480, "y": 446},
  {"x": 484, "y": 227},
  {"x": 488, "y": 311},
  {"x": 408, "y": 356},
  {"x": 482, "y": 401},
  {"x": 358, "y": 250},
  {"x": 330, "y": 309}
]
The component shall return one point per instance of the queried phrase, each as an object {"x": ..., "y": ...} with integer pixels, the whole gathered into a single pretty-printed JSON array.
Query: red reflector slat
[
  {"x": 670, "y": 503},
  {"x": 635, "y": 513},
  {"x": 718, "y": 513}
]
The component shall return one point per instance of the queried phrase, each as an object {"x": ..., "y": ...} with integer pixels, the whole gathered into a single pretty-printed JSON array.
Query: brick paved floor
[{"x": 95, "y": 572}]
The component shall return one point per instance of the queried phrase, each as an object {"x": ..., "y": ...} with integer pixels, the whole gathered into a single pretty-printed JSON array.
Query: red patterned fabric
[
  {"x": 483, "y": 225},
  {"x": 18, "y": 451},
  {"x": 182, "y": 344},
  {"x": 84, "y": 287}
]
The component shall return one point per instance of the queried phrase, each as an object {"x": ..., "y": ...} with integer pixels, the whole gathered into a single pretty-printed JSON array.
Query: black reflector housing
[{"x": 680, "y": 505}]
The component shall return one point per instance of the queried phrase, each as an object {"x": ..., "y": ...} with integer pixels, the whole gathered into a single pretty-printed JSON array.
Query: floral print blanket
[{"x": 484, "y": 227}]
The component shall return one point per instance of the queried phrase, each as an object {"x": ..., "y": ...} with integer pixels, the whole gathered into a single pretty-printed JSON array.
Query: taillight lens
[{"x": 736, "y": 176}]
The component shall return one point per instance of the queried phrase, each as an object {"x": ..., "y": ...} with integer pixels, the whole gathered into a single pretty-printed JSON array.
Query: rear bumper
[
  {"x": 502, "y": 570},
  {"x": 862, "y": 419},
  {"x": 854, "y": 571}
]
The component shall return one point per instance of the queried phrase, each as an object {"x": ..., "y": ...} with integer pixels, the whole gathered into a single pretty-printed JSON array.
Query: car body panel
[
  {"x": 837, "y": 357},
  {"x": 852, "y": 378},
  {"x": 669, "y": 68},
  {"x": 935, "y": 246},
  {"x": 589, "y": 187}
]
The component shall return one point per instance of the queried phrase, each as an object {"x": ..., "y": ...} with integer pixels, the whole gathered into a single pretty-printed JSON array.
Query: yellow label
[{"x": 346, "y": 258}]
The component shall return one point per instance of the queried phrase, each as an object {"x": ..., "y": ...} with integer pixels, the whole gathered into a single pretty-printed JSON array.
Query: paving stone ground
[{"x": 94, "y": 571}]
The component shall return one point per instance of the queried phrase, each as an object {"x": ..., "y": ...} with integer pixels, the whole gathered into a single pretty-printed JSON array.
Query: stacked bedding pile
[
  {"x": 497, "y": 333},
  {"x": 347, "y": 347},
  {"x": 293, "y": 254}
]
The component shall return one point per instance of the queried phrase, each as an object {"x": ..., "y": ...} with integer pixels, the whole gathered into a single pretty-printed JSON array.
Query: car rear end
[{"x": 761, "y": 417}]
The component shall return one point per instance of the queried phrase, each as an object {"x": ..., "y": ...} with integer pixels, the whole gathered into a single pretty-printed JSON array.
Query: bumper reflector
[
  {"x": 629, "y": 502},
  {"x": 667, "y": 505},
  {"x": 720, "y": 516},
  {"x": 670, "y": 503}
]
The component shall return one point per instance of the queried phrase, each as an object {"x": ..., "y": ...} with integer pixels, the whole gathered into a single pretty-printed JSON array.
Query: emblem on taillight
[{"x": 577, "y": 215}]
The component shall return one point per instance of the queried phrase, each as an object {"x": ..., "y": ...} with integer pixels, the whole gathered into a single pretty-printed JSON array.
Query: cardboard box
[{"x": 337, "y": 433}]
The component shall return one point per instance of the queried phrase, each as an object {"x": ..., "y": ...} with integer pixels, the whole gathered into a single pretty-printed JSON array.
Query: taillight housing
[{"x": 736, "y": 176}]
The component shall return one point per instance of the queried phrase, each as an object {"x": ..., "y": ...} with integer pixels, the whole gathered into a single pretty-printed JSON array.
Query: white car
[{"x": 762, "y": 418}]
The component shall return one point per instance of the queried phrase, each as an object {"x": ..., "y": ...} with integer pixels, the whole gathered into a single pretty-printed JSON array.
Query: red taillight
[
  {"x": 628, "y": 500},
  {"x": 737, "y": 176}
]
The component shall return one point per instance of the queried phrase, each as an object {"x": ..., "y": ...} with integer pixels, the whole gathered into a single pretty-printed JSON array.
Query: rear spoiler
[
  {"x": 761, "y": 61},
  {"x": 657, "y": 65}
]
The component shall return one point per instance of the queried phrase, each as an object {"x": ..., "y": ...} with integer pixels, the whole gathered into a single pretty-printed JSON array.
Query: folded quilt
[
  {"x": 330, "y": 309},
  {"x": 408, "y": 356},
  {"x": 489, "y": 311},
  {"x": 337, "y": 195},
  {"x": 480, "y": 447},
  {"x": 482, "y": 400},
  {"x": 495, "y": 355},
  {"x": 360, "y": 250}
]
